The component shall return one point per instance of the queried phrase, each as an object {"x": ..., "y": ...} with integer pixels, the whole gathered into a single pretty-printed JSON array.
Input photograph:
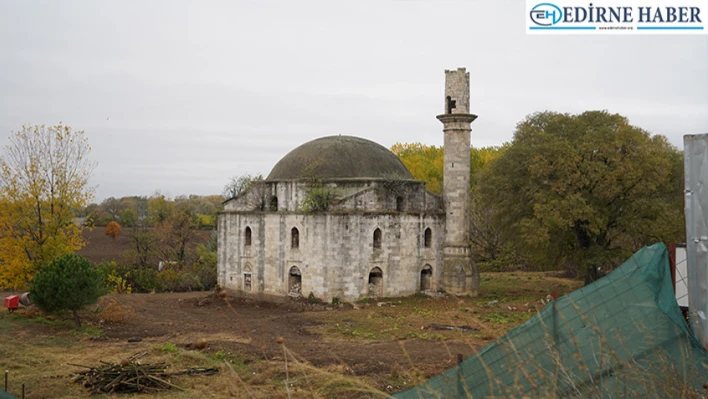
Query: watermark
[{"x": 633, "y": 17}]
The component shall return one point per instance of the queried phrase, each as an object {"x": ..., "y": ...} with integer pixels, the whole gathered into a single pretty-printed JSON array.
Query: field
[
  {"x": 101, "y": 248},
  {"x": 271, "y": 350}
]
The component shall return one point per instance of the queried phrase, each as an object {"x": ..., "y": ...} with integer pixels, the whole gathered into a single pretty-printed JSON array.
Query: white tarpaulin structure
[{"x": 696, "y": 207}]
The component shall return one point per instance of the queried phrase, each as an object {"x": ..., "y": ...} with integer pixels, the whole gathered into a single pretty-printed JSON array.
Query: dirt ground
[
  {"x": 253, "y": 327},
  {"x": 386, "y": 344}
]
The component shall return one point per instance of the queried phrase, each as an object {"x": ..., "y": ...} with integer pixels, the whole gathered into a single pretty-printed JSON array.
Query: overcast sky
[{"x": 178, "y": 96}]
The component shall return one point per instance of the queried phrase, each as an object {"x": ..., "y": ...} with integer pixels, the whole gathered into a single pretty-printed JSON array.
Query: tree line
[
  {"x": 148, "y": 211},
  {"x": 568, "y": 192}
]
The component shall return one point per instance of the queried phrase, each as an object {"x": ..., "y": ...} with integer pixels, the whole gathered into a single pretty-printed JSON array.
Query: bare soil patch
[
  {"x": 100, "y": 247},
  {"x": 253, "y": 327}
]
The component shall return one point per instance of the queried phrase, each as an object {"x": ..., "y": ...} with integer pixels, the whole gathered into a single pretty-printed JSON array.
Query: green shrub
[
  {"x": 138, "y": 278},
  {"x": 317, "y": 199},
  {"x": 70, "y": 282},
  {"x": 169, "y": 347},
  {"x": 115, "y": 281},
  {"x": 313, "y": 299},
  {"x": 200, "y": 276}
]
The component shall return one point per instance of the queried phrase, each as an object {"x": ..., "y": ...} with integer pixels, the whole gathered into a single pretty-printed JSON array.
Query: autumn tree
[
  {"x": 585, "y": 190},
  {"x": 424, "y": 162},
  {"x": 44, "y": 174},
  {"x": 113, "y": 230}
]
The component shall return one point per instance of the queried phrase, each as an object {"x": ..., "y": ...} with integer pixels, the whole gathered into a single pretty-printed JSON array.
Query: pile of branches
[{"x": 130, "y": 376}]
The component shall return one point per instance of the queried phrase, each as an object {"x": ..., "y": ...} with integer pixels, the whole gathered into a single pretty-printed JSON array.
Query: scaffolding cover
[{"x": 622, "y": 336}]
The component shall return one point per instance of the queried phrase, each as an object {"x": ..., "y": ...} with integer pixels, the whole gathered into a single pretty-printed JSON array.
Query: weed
[
  {"x": 220, "y": 355},
  {"x": 169, "y": 347},
  {"x": 313, "y": 299}
]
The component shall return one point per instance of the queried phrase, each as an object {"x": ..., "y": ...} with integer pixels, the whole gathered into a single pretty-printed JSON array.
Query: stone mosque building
[{"x": 342, "y": 217}]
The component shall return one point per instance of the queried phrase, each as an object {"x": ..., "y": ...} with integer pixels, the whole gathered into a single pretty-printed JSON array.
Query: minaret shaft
[{"x": 459, "y": 274}]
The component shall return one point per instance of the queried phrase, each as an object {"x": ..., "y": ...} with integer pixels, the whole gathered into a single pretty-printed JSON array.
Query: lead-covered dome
[{"x": 339, "y": 157}]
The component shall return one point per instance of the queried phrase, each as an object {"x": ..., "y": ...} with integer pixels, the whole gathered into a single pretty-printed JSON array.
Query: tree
[
  {"x": 44, "y": 174},
  {"x": 113, "y": 230},
  {"x": 143, "y": 246},
  {"x": 238, "y": 185},
  {"x": 69, "y": 282},
  {"x": 585, "y": 190},
  {"x": 424, "y": 162},
  {"x": 129, "y": 217},
  {"x": 160, "y": 208},
  {"x": 175, "y": 233}
]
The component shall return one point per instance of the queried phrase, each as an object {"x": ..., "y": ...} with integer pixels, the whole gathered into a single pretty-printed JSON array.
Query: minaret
[{"x": 459, "y": 275}]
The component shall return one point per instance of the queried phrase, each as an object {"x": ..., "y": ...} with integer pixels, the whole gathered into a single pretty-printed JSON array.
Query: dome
[{"x": 340, "y": 157}]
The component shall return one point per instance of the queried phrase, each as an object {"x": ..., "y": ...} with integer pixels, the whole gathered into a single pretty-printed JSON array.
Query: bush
[
  {"x": 70, "y": 282},
  {"x": 200, "y": 276},
  {"x": 114, "y": 282},
  {"x": 313, "y": 299},
  {"x": 113, "y": 230},
  {"x": 128, "y": 278},
  {"x": 190, "y": 278},
  {"x": 317, "y": 199}
]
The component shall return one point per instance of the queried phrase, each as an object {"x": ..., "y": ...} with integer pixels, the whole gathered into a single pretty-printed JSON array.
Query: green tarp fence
[{"x": 622, "y": 336}]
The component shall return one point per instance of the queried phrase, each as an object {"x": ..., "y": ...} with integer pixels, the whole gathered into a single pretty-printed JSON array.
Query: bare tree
[{"x": 238, "y": 185}]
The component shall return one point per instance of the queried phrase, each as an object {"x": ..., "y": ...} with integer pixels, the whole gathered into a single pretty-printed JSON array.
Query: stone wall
[
  {"x": 457, "y": 87},
  {"x": 335, "y": 254},
  {"x": 350, "y": 195}
]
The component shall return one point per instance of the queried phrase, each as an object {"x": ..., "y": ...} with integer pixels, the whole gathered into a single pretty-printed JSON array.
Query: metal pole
[
  {"x": 6, "y": 371},
  {"x": 460, "y": 378},
  {"x": 23, "y": 391}
]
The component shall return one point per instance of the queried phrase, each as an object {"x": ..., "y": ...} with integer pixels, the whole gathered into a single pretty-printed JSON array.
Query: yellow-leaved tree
[
  {"x": 44, "y": 173},
  {"x": 425, "y": 162}
]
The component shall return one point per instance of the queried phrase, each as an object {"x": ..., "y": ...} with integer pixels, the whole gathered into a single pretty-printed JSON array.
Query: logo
[
  {"x": 617, "y": 17},
  {"x": 546, "y": 14}
]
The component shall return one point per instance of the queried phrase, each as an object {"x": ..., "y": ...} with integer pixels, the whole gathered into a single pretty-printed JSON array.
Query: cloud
[{"x": 178, "y": 96}]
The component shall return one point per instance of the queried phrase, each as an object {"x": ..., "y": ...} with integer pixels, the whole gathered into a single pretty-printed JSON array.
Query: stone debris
[
  {"x": 295, "y": 291},
  {"x": 374, "y": 290}
]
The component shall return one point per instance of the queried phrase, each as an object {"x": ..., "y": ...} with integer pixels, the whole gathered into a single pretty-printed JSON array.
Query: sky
[{"x": 179, "y": 96}]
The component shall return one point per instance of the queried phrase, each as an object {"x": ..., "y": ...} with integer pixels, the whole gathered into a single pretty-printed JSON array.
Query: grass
[{"x": 505, "y": 301}]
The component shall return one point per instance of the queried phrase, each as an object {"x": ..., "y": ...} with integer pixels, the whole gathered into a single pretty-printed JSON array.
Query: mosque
[{"x": 342, "y": 217}]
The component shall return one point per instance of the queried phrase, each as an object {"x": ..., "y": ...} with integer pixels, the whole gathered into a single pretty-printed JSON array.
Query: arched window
[
  {"x": 426, "y": 275},
  {"x": 399, "y": 204},
  {"x": 427, "y": 240},
  {"x": 274, "y": 204},
  {"x": 247, "y": 237},
  {"x": 294, "y": 281},
  {"x": 375, "y": 282},
  {"x": 377, "y": 238},
  {"x": 294, "y": 238}
]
